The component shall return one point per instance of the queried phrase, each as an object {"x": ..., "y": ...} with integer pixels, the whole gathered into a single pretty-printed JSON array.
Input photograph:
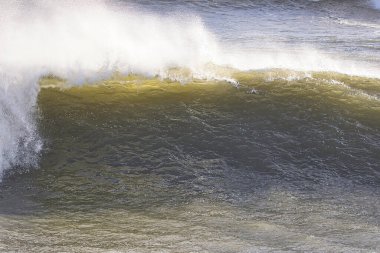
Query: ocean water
[{"x": 190, "y": 126}]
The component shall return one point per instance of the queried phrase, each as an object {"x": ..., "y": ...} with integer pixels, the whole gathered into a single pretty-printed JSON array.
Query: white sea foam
[{"x": 85, "y": 41}]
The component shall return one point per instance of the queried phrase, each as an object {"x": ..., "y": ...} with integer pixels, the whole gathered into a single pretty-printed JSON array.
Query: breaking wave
[{"x": 87, "y": 41}]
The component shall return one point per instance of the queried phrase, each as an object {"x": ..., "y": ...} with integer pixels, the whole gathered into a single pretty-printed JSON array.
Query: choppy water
[{"x": 190, "y": 126}]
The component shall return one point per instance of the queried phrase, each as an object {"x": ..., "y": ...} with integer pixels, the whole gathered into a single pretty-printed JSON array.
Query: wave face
[{"x": 135, "y": 163}]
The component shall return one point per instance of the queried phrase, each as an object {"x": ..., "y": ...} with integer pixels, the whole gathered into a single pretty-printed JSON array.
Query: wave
[{"x": 87, "y": 41}]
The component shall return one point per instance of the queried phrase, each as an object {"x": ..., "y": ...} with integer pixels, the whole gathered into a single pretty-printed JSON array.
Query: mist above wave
[{"x": 89, "y": 40}]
